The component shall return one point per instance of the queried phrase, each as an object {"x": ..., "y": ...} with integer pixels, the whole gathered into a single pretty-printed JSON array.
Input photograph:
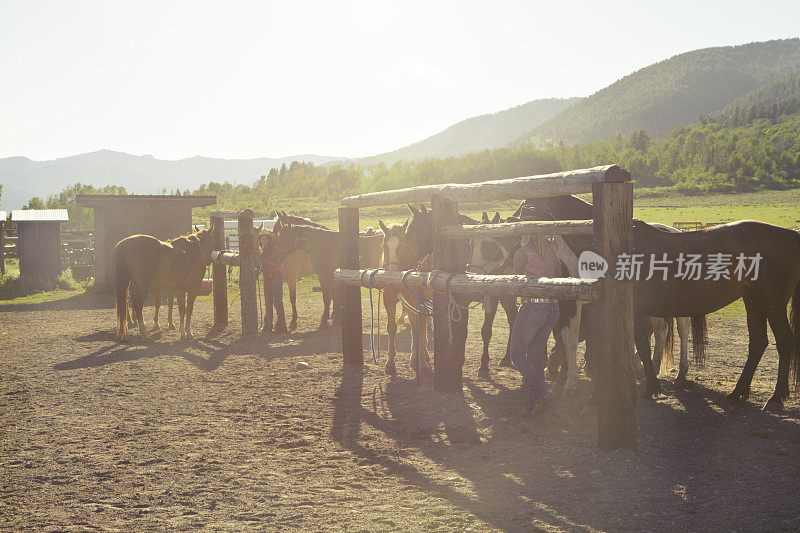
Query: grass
[{"x": 13, "y": 290}]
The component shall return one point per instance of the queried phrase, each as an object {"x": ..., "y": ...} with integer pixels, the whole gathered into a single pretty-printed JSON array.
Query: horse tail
[
  {"x": 669, "y": 342},
  {"x": 795, "y": 322},
  {"x": 122, "y": 280},
  {"x": 699, "y": 339}
]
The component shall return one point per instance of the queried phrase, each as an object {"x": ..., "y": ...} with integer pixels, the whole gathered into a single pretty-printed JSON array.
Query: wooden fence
[{"x": 612, "y": 336}]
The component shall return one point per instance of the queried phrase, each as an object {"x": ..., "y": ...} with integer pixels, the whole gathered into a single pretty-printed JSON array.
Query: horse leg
[
  {"x": 570, "y": 339},
  {"x": 422, "y": 343},
  {"x": 157, "y": 305},
  {"x": 784, "y": 342},
  {"x": 659, "y": 326},
  {"x": 182, "y": 312},
  {"x": 139, "y": 293},
  {"x": 293, "y": 299},
  {"x": 326, "y": 301},
  {"x": 641, "y": 338},
  {"x": 757, "y": 329},
  {"x": 189, "y": 306},
  {"x": 128, "y": 316},
  {"x": 489, "y": 312},
  {"x": 683, "y": 333},
  {"x": 170, "y": 325},
  {"x": 510, "y": 307},
  {"x": 390, "y": 304}
]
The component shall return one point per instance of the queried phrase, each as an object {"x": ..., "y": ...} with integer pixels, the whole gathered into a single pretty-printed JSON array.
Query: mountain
[
  {"x": 23, "y": 178},
  {"x": 672, "y": 92},
  {"x": 783, "y": 90},
  {"x": 479, "y": 133}
]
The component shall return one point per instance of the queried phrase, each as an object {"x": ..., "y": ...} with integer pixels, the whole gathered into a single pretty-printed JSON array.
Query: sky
[{"x": 176, "y": 79}]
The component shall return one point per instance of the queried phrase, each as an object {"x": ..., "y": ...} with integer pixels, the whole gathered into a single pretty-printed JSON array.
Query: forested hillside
[
  {"x": 671, "y": 93},
  {"x": 479, "y": 133}
]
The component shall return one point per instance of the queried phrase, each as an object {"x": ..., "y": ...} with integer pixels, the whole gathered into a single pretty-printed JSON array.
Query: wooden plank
[
  {"x": 612, "y": 337},
  {"x": 585, "y": 290},
  {"x": 545, "y": 227},
  {"x": 247, "y": 273},
  {"x": 2, "y": 247},
  {"x": 352, "y": 342},
  {"x": 449, "y": 336},
  {"x": 556, "y": 184},
  {"x": 219, "y": 276}
]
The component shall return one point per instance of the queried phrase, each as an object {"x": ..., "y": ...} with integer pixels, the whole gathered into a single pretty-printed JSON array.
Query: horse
[
  {"x": 398, "y": 255},
  {"x": 494, "y": 255},
  {"x": 766, "y": 296},
  {"x": 296, "y": 265},
  {"x": 323, "y": 247},
  {"x": 142, "y": 262}
]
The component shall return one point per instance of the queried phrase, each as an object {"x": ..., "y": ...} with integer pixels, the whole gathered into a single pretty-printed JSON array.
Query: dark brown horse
[
  {"x": 142, "y": 262},
  {"x": 323, "y": 248},
  {"x": 766, "y": 295}
]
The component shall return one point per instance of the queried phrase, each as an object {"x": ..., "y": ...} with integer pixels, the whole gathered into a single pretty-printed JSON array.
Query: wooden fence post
[
  {"x": 247, "y": 273},
  {"x": 448, "y": 358},
  {"x": 219, "y": 275},
  {"x": 352, "y": 342},
  {"x": 613, "y": 328}
]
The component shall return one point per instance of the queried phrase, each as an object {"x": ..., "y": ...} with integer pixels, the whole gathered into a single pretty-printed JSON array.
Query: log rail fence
[{"x": 611, "y": 337}]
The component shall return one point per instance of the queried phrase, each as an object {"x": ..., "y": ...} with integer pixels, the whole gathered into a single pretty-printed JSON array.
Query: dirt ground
[{"x": 223, "y": 433}]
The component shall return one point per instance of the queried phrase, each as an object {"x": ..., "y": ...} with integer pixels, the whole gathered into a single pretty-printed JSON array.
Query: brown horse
[
  {"x": 397, "y": 254},
  {"x": 323, "y": 247},
  {"x": 142, "y": 262},
  {"x": 297, "y": 264},
  {"x": 765, "y": 297}
]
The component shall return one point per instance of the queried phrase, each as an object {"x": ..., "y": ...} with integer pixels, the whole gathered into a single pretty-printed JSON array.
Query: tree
[{"x": 35, "y": 203}]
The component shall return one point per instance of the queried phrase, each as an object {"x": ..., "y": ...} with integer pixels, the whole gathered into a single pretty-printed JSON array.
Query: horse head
[
  {"x": 395, "y": 252},
  {"x": 206, "y": 243},
  {"x": 418, "y": 239},
  {"x": 490, "y": 255},
  {"x": 286, "y": 234}
]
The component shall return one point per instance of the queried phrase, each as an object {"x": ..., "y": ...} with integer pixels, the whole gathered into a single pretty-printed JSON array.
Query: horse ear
[
  {"x": 383, "y": 227},
  {"x": 414, "y": 210},
  {"x": 196, "y": 228},
  {"x": 405, "y": 225},
  {"x": 423, "y": 208},
  {"x": 259, "y": 228},
  {"x": 484, "y": 218},
  {"x": 496, "y": 218}
]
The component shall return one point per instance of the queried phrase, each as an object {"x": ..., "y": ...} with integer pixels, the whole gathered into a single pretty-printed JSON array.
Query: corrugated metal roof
[
  {"x": 39, "y": 215},
  {"x": 96, "y": 200}
]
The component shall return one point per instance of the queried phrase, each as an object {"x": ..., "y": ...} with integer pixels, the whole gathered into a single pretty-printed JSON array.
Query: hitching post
[
  {"x": 219, "y": 275},
  {"x": 352, "y": 342},
  {"x": 247, "y": 273}
]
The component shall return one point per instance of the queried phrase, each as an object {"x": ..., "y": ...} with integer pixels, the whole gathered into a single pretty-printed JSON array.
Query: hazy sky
[{"x": 347, "y": 78}]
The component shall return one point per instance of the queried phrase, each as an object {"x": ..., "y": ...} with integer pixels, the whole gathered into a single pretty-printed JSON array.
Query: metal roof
[
  {"x": 39, "y": 215},
  {"x": 96, "y": 200}
]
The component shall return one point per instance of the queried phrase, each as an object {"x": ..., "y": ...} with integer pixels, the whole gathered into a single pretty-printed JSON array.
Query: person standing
[{"x": 537, "y": 258}]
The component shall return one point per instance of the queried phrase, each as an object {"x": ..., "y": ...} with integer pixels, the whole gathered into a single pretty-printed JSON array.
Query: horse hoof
[
  {"x": 156, "y": 327},
  {"x": 773, "y": 405},
  {"x": 324, "y": 325},
  {"x": 681, "y": 381},
  {"x": 506, "y": 361},
  {"x": 483, "y": 372},
  {"x": 390, "y": 369},
  {"x": 171, "y": 326},
  {"x": 738, "y": 396},
  {"x": 189, "y": 335}
]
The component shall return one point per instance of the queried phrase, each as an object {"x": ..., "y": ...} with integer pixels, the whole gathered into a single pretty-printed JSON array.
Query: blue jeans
[
  {"x": 273, "y": 296},
  {"x": 532, "y": 328}
]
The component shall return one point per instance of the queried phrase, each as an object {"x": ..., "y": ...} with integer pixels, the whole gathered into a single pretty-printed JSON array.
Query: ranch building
[
  {"x": 120, "y": 216},
  {"x": 39, "y": 245}
]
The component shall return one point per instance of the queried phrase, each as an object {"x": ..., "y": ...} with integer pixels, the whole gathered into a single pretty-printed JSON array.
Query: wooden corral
[
  {"x": 612, "y": 335},
  {"x": 39, "y": 244},
  {"x": 120, "y": 216}
]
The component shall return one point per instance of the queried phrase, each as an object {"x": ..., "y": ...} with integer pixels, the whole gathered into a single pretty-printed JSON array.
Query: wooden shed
[
  {"x": 3, "y": 216},
  {"x": 39, "y": 245},
  {"x": 120, "y": 216}
]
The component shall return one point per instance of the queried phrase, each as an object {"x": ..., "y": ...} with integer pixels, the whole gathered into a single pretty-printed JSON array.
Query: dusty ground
[{"x": 228, "y": 434}]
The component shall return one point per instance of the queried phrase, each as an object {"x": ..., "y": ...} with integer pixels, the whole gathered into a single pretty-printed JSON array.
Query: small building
[
  {"x": 120, "y": 216},
  {"x": 39, "y": 245}
]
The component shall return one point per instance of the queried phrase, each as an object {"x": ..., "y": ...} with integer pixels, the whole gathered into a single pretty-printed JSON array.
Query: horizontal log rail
[
  {"x": 526, "y": 227},
  {"x": 556, "y": 184},
  {"x": 225, "y": 258},
  {"x": 477, "y": 284}
]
